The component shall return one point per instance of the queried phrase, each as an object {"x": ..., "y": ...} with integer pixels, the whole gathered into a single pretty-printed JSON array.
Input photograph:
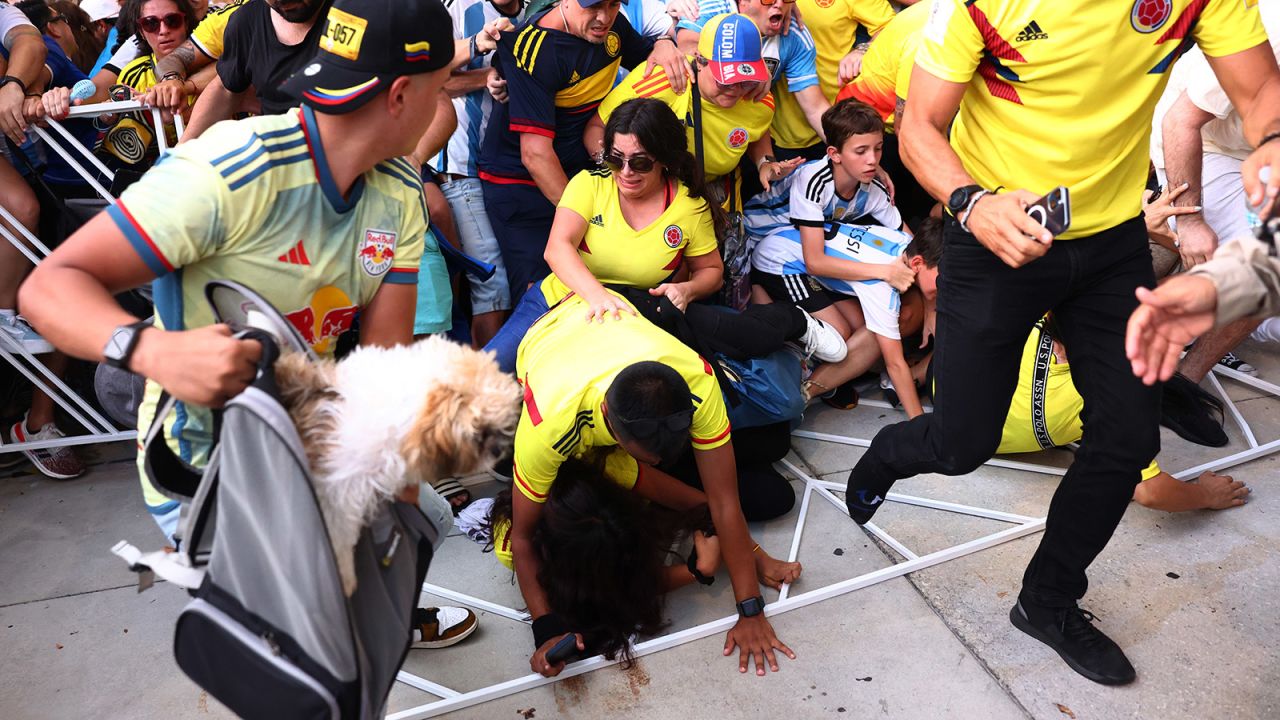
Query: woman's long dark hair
[
  {"x": 662, "y": 135},
  {"x": 601, "y": 551},
  {"x": 131, "y": 11},
  {"x": 88, "y": 46}
]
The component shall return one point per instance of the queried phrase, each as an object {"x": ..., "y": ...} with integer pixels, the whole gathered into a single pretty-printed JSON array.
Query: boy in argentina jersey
[
  {"x": 869, "y": 313},
  {"x": 269, "y": 202}
]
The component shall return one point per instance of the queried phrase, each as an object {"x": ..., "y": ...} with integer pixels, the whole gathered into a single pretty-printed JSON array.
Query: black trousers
[
  {"x": 985, "y": 312},
  {"x": 763, "y": 492}
]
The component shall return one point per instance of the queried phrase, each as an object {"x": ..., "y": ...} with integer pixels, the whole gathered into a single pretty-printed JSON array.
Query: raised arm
[{"x": 1183, "y": 160}]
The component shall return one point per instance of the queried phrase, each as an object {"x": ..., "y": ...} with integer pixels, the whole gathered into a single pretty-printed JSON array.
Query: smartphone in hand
[
  {"x": 1053, "y": 211},
  {"x": 564, "y": 651}
]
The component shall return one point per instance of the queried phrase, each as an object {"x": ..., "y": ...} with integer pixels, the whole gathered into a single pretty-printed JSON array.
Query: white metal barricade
[
  {"x": 60, "y": 140},
  {"x": 1021, "y": 526}
]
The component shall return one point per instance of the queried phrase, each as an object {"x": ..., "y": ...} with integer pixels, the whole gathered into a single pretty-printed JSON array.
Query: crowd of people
[{"x": 635, "y": 206}]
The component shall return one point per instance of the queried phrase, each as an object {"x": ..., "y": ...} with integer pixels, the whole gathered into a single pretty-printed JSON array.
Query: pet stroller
[{"x": 269, "y": 632}]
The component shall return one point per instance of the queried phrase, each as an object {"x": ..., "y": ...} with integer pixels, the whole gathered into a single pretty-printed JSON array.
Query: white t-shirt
[
  {"x": 1225, "y": 133},
  {"x": 781, "y": 254},
  {"x": 10, "y": 18},
  {"x": 128, "y": 51},
  {"x": 808, "y": 197}
]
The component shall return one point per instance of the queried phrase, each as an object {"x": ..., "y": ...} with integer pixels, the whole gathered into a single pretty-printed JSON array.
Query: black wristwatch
[
  {"x": 11, "y": 79},
  {"x": 124, "y": 340},
  {"x": 751, "y": 607},
  {"x": 960, "y": 199}
]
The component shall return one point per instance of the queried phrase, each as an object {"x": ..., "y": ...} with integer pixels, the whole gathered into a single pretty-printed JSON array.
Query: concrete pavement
[{"x": 1190, "y": 597}]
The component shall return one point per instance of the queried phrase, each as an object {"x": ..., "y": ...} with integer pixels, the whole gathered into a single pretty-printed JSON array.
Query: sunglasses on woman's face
[
  {"x": 638, "y": 163},
  {"x": 151, "y": 23},
  {"x": 770, "y": 2}
]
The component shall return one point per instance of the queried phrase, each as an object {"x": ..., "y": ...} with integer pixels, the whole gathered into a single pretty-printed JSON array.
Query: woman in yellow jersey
[
  {"x": 633, "y": 223},
  {"x": 607, "y": 557},
  {"x": 644, "y": 222}
]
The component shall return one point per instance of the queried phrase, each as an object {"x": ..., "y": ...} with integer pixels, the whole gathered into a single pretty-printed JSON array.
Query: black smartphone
[
  {"x": 1053, "y": 211},
  {"x": 564, "y": 651}
]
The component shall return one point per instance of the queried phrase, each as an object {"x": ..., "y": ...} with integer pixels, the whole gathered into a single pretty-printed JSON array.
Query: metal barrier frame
[
  {"x": 61, "y": 141},
  {"x": 1022, "y": 526}
]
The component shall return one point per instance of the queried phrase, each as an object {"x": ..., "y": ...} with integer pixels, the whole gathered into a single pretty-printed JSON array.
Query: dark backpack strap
[{"x": 171, "y": 475}]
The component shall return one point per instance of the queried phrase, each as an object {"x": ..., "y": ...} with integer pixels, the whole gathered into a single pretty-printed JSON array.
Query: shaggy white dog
[{"x": 385, "y": 419}]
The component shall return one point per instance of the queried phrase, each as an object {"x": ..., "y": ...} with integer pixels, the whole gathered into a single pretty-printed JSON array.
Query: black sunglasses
[
  {"x": 676, "y": 422},
  {"x": 638, "y": 163},
  {"x": 173, "y": 21}
]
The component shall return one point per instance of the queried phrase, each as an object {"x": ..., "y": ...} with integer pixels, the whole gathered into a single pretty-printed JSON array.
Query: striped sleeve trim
[
  {"x": 401, "y": 276},
  {"x": 140, "y": 240},
  {"x": 533, "y": 129},
  {"x": 716, "y": 439},
  {"x": 525, "y": 487}
]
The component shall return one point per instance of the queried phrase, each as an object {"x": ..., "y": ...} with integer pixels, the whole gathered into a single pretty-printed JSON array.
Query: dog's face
[{"x": 467, "y": 421}]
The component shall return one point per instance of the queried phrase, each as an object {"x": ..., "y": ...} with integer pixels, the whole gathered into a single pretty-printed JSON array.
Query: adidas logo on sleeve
[
  {"x": 1031, "y": 32},
  {"x": 598, "y": 221}
]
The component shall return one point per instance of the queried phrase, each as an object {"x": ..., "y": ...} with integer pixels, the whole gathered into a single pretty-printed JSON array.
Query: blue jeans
[
  {"x": 507, "y": 341},
  {"x": 466, "y": 201}
]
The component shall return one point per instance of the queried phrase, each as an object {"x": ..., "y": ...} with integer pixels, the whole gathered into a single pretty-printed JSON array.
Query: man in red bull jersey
[{"x": 324, "y": 234}]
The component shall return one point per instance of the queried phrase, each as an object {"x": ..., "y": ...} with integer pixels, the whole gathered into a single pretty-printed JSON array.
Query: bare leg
[
  {"x": 1209, "y": 492},
  {"x": 16, "y": 197},
  {"x": 484, "y": 326},
  {"x": 1210, "y": 348},
  {"x": 41, "y": 404}
]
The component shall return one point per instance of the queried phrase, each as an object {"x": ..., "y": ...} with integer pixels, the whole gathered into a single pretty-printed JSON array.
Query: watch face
[
  {"x": 118, "y": 343},
  {"x": 959, "y": 199}
]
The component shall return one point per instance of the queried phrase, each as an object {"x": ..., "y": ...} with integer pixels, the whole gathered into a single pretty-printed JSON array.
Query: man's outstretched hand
[
  {"x": 754, "y": 636},
  {"x": 1169, "y": 317}
]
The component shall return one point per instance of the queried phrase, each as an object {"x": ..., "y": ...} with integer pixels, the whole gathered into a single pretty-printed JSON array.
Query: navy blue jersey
[{"x": 555, "y": 80}]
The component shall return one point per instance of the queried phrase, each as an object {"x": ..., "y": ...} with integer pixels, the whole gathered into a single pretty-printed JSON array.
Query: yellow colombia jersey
[
  {"x": 207, "y": 37},
  {"x": 1046, "y": 406},
  {"x": 726, "y": 131},
  {"x": 259, "y": 206},
  {"x": 616, "y": 253},
  {"x": 566, "y": 365},
  {"x": 791, "y": 129},
  {"x": 886, "y": 69},
  {"x": 838, "y": 25},
  {"x": 1062, "y": 93}
]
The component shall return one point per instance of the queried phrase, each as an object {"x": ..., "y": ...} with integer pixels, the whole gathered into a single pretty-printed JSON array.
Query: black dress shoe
[{"x": 1070, "y": 632}]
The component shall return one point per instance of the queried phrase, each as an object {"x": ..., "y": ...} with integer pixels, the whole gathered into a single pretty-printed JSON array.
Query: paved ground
[{"x": 1190, "y": 597}]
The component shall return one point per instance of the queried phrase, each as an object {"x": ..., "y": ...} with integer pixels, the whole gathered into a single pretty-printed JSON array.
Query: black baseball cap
[{"x": 366, "y": 44}]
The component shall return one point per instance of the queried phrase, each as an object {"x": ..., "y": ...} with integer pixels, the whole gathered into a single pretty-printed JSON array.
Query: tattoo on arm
[
  {"x": 12, "y": 36},
  {"x": 178, "y": 61}
]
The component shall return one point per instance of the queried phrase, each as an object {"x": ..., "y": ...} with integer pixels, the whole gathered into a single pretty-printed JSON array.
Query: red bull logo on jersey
[
  {"x": 1149, "y": 16},
  {"x": 327, "y": 315},
  {"x": 377, "y": 251},
  {"x": 673, "y": 235}
]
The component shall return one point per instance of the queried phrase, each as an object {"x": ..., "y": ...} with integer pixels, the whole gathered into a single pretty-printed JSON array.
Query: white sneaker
[
  {"x": 59, "y": 463},
  {"x": 822, "y": 341},
  {"x": 19, "y": 330},
  {"x": 438, "y": 627}
]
